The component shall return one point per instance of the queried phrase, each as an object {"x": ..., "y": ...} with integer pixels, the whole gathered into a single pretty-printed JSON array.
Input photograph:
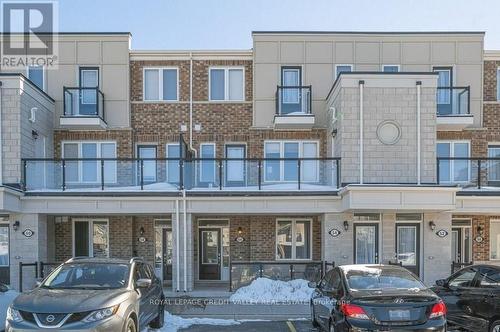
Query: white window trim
[
  {"x": 226, "y": 86},
  {"x": 452, "y": 162},
  {"x": 462, "y": 245},
  {"x": 498, "y": 84},
  {"x": 342, "y": 65},
  {"x": 91, "y": 234},
  {"x": 201, "y": 161},
  {"x": 44, "y": 70},
  {"x": 390, "y": 65},
  {"x": 160, "y": 85},
  {"x": 493, "y": 221},
  {"x": 168, "y": 161},
  {"x": 80, "y": 163},
  {"x": 294, "y": 250},
  {"x": 282, "y": 164}
]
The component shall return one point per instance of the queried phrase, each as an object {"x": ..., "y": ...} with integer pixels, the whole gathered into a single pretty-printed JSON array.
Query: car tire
[
  {"x": 130, "y": 326},
  {"x": 495, "y": 326},
  {"x": 314, "y": 322},
  {"x": 158, "y": 322}
]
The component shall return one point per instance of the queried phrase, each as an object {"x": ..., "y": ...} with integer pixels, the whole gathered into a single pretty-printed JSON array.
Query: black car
[
  {"x": 375, "y": 298},
  {"x": 472, "y": 296}
]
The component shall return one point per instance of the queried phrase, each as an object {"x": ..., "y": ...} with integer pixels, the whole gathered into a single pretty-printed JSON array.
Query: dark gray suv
[{"x": 92, "y": 294}]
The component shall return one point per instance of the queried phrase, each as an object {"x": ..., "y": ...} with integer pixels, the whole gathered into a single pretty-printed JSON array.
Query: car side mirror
[
  {"x": 441, "y": 282},
  {"x": 312, "y": 284},
  {"x": 143, "y": 283}
]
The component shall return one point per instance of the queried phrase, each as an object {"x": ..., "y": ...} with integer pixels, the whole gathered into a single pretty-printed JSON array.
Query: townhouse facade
[{"x": 220, "y": 166}]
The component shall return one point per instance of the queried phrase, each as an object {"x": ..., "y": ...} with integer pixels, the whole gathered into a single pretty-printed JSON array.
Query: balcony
[
  {"x": 471, "y": 174},
  {"x": 83, "y": 109},
  {"x": 453, "y": 108},
  {"x": 172, "y": 175},
  {"x": 293, "y": 108}
]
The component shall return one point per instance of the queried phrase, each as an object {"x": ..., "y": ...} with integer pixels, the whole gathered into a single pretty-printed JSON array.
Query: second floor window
[
  {"x": 160, "y": 84},
  {"x": 287, "y": 170},
  {"x": 227, "y": 84},
  {"x": 453, "y": 170},
  {"x": 498, "y": 84},
  {"x": 342, "y": 69},
  {"x": 390, "y": 68},
  {"x": 89, "y": 171},
  {"x": 36, "y": 75}
]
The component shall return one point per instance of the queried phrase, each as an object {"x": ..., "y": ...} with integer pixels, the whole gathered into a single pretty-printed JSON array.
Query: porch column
[
  {"x": 436, "y": 250},
  {"x": 388, "y": 247},
  {"x": 182, "y": 260},
  {"x": 27, "y": 249},
  {"x": 337, "y": 248}
]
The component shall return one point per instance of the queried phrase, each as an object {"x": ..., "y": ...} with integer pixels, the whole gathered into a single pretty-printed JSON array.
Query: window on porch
[
  {"x": 293, "y": 239},
  {"x": 91, "y": 238}
]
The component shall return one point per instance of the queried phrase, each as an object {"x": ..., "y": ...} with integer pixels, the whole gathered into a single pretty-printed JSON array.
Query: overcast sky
[{"x": 227, "y": 24}]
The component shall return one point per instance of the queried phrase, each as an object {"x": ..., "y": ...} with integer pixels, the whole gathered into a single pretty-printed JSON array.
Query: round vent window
[{"x": 389, "y": 132}]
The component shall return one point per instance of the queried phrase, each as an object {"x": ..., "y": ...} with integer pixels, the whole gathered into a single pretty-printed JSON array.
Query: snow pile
[
  {"x": 174, "y": 323},
  {"x": 267, "y": 291}
]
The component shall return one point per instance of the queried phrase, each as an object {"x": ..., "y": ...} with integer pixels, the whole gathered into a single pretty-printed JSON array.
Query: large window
[
  {"x": 37, "y": 76},
  {"x": 4, "y": 245},
  {"x": 207, "y": 166},
  {"x": 293, "y": 239},
  {"x": 90, "y": 238},
  {"x": 147, "y": 152},
  {"x": 494, "y": 239},
  {"x": 342, "y": 69},
  {"x": 173, "y": 169},
  {"x": 498, "y": 84},
  {"x": 161, "y": 84},
  {"x": 390, "y": 68},
  {"x": 494, "y": 165},
  {"x": 287, "y": 170},
  {"x": 453, "y": 170},
  {"x": 227, "y": 84},
  {"x": 89, "y": 171}
]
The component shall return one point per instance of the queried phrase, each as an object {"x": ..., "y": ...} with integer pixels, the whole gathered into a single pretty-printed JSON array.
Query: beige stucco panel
[
  {"x": 67, "y": 52},
  {"x": 319, "y": 52},
  {"x": 112, "y": 75},
  {"x": 416, "y": 68},
  {"x": 367, "y": 52},
  {"x": 344, "y": 52},
  {"x": 416, "y": 52},
  {"x": 117, "y": 113},
  {"x": 264, "y": 113},
  {"x": 470, "y": 52},
  {"x": 292, "y": 52},
  {"x": 391, "y": 53},
  {"x": 443, "y": 53},
  {"x": 268, "y": 79},
  {"x": 320, "y": 76},
  {"x": 66, "y": 75},
  {"x": 115, "y": 53},
  {"x": 470, "y": 75},
  {"x": 365, "y": 67},
  {"x": 266, "y": 52},
  {"x": 89, "y": 53}
]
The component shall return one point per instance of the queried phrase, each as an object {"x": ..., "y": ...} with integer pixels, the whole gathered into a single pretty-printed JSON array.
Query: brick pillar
[{"x": 27, "y": 249}]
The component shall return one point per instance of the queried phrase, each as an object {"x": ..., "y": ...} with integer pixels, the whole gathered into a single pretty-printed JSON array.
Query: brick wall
[
  {"x": 480, "y": 250},
  {"x": 490, "y": 80}
]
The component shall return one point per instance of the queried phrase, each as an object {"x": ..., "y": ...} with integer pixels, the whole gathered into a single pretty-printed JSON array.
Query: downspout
[
  {"x": 1, "y": 140},
  {"x": 191, "y": 101},
  {"x": 177, "y": 254},
  {"x": 361, "y": 89},
  {"x": 419, "y": 91},
  {"x": 185, "y": 238}
]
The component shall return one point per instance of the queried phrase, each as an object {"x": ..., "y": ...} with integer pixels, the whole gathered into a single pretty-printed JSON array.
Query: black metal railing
[
  {"x": 293, "y": 100},
  {"x": 83, "y": 102},
  {"x": 173, "y": 174},
  {"x": 242, "y": 273},
  {"x": 469, "y": 172},
  {"x": 453, "y": 101}
]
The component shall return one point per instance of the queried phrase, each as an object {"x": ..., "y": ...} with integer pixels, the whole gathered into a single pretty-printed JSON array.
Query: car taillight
[
  {"x": 353, "y": 311},
  {"x": 438, "y": 310}
]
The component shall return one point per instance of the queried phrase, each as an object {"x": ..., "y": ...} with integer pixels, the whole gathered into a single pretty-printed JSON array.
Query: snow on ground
[
  {"x": 174, "y": 323},
  {"x": 267, "y": 291}
]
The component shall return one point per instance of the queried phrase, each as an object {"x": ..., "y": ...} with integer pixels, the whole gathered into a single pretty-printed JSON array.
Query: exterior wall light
[
  {"x": 15, "y": 225},
  {"x": 479, "y": 229},
  {"x": 240, "y": 231},
  {"x": 432, "y": 225},
  {"x": 142, "y": 231},
  {"x": 346, "y": 225}
]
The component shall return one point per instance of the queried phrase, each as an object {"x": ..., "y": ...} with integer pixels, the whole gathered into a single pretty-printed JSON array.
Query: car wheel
[
  {"x": 314, "y": 322},
  {"x": 158, "y": 322},
  {"x": 130, "y": 327},
  {"x": 495, "y": 326}
]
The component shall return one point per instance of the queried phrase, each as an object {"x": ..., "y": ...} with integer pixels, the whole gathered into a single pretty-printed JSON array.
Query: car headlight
[
  {"x": 14, "y": 315},
  {"x": 94, "y": 316}
]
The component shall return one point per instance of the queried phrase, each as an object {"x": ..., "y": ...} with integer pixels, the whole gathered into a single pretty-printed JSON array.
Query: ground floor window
[
  {"x": 91, "y": 238},
  {"x": 293, "y": 239},
  {"x": 495, "y": 239},
  {"x": 4, "y": 245}
]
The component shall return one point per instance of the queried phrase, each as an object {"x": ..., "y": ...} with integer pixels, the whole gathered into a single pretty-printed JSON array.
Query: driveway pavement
[{"x": 275, "y": 326}]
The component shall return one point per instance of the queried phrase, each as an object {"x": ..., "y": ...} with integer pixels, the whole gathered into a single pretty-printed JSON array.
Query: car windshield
[
  {"x": 374, "y": 278},
  {"x": 88, "y": 276}
]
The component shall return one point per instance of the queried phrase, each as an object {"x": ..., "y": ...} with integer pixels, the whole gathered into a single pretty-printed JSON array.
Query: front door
[
  {"x": 407, "y": 246},
  {"x": 210, "y": 253},
  {"x": 235, "y": 169},
  {"x": 89, "y": 84},
  {"x": 167, "y": 242},
  {"x": 366, "y": 243}
]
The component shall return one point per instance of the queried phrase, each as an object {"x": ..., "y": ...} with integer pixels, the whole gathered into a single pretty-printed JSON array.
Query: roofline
[
  {"x": 22, "y": 76},
  {"x": 322, "y": 32},
  {"x": 71, "y": 33},
  {"x": 491, "y": 55},
  {"x": 182, "y": 52},
  {"x": 243, "y": 54}
]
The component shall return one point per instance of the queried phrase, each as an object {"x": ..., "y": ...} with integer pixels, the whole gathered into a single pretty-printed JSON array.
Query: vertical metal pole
[
  {"x": 24, "y": 174},
  {"x": 102, "y": 174},
  {"x": 337, "y": 162},
  {"x": 142, "y": 173},
  {"x": 21, "y": 277},
  {"x": 479, "y": 174},
  {"x": 298, "y": 175},
  {"x": 291, "y": 271},
  {"x": 63, "y": 174},
  {"x": 437, "y": 168},
  {"x": 361, "y": 131},
  {"x": 220, "y": 174},
  {"x": 260, "y": 270},
  {"x": 41, "y": 270},
  {"x": 259, "y": 166},
  {"x": 36, "y": 270}
]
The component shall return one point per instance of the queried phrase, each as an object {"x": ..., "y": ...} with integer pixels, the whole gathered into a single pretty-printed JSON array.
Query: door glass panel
[
  {"x": 291, "y": 77},
  {"x": 444, "y": 80},
  {"x": 291, "y": 150},
  {"x": 407, "y": 245},
  {"x": 173, "y": 169},
  {"x": 495, "y": 239},
  {"x": 89, "y": 167},
  {"x": 4, "y": 245},
  {"x": 158, "y": 251},
  {"x": 235, "y": 168},
  {"x": 302, "y": 239},
  {"x": 461, "y": 167},
  {"x": 455, "y": 255},
  {"x": 272, "y": 167},
  {"x": 108, "y": 150},
  {"x": 366, "y": 245},
  {"x": 284, "y": 240},
  {"x": 494, "y": 165},
  {"x": 225, "y": 253},
  {"x": 207, "y": 170},
  {"x": 309, "y": 168},
  {"x": 149, "y": 166},
  {"x": 210, "y": 242},
  {"x": 89, "y": 79},
  {"x": 467, "y": 245},
  {"x": 81, "y": 238},
  {"x": 100, "y": 245},
  {"x": 71, "y": 151},
  {"x": 444, "y": 151}
]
